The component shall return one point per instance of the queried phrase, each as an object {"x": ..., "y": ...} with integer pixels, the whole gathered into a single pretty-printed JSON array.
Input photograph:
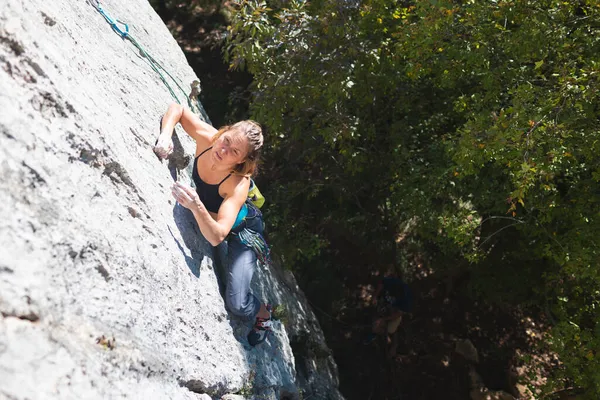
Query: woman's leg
[{"x": 241, "y": 267}]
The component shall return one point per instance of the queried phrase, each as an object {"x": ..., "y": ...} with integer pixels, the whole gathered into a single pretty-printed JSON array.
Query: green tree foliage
[{"x": 480, "y": 120}]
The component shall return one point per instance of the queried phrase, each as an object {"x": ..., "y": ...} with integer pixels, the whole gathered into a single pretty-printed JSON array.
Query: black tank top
[{"x": 209, "y": 194}]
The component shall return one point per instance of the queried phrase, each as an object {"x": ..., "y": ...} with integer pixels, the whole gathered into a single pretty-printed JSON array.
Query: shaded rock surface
[
  {"x": 466, "y": 349},
  {"x": 107, "y": 288},
  {"x": 480, "y": 392}
]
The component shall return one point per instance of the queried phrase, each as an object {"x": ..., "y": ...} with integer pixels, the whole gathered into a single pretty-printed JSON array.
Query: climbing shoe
[{"x": 261, "y": 330}]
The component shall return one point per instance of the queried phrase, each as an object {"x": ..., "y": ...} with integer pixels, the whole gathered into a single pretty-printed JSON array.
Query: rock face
[
  {"x": 107, "y": 288},
  {"x": 466, "y": 349},
  {"x": 480, "y": 392}
]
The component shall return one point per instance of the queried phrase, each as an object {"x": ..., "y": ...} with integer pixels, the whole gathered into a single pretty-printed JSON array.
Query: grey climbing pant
[{"x": 241, "y": 265}]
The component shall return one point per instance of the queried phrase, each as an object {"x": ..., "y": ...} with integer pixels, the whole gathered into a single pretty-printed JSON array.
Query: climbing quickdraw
[{"x": 113, "y": 23}]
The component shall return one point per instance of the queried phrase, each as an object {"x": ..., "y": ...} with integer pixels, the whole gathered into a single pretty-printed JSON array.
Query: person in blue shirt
[{"x": 393, "y": 300}]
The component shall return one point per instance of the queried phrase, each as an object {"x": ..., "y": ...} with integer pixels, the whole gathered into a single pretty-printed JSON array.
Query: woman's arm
[
  {"x": 197, "y": 129},
  {"x": 215, "y": 231}
]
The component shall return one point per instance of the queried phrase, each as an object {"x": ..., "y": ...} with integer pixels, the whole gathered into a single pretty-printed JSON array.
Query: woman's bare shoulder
[{"x": 235, "y": 185}]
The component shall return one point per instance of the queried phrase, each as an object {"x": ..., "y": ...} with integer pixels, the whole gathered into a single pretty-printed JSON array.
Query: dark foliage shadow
[
  {"x": 178, "y": 161},
  {"x": 192, "y": 238},
  {"x": 220, "y": 266},
  {"x": 425, "y": 365}
]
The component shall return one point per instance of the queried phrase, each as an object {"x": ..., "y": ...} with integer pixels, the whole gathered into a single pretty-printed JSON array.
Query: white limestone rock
[{"x": 107, "y": 288}]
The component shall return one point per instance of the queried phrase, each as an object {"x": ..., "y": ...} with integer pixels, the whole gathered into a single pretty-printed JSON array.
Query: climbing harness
[
  {"x": 122, "y": 29},
  {"x": 250, "y": 237},
  {"x": 255, "y": 197}
]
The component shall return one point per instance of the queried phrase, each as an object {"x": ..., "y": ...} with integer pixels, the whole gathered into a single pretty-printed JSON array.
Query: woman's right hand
[
  {"x": 186, "y": 196},
  {"x": 164, "y": 146}
]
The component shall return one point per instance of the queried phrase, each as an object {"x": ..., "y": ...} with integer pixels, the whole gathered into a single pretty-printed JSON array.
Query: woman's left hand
[{"x": 186, "y": 196}]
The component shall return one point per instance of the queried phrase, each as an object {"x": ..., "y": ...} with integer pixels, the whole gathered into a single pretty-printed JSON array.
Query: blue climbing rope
[
  {"x": 113, "y": 23},
  {"x": 122, "y": 29}
]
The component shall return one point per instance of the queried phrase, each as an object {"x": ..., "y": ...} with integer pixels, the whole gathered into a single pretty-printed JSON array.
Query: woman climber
[{"x": 225, "y": 160}]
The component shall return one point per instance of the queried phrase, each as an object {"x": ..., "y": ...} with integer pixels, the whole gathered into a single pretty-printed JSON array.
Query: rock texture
[
  {"x": 466, "y": 349},
  {"x": 107, "y": 288},
  {"x": 480, "y": 392}
]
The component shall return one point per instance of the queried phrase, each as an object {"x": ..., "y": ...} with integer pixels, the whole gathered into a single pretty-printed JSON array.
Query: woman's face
[{"x": 230, "y": 149}]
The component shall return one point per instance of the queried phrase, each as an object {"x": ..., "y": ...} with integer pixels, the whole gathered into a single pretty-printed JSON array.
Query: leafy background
[{"x": 452, "y": 142}]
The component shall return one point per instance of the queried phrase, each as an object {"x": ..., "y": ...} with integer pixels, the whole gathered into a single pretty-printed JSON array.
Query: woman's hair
[{"x": 253, "y": 132}]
